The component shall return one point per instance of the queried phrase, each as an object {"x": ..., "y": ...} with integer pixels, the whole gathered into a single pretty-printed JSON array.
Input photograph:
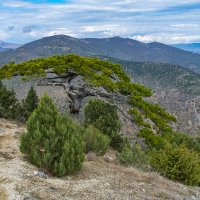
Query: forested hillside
[
  {"x": 174, "y": 87},
  {"x": 115, "y": 47}
]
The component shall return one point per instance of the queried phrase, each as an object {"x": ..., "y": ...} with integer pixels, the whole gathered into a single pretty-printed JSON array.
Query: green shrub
[
  {"x": 53, "y": 141},
  {"x": 153, "y": 140},
  {"x": 104, "y": 117},
  {"x": 31, "y": 102},
  {"x": 10, "y": 107},
  {"x": 125, "y": 156},
  {"x": 177, "y": 163},
  {"x": 95, "y": 141},
  {"x": 178, "y": 138},
  {"x": 118, "y": 141},
  {"x": 134, "y": 156}
]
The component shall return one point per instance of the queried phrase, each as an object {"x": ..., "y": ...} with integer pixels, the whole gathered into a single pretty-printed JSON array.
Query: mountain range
[
  {"x": 4, "y": 46},
  {"x": 115, "y": 47},
  {"x": 193, "y": 47}
]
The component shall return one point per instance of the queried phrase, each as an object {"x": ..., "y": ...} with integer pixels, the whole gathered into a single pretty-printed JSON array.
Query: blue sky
[{"x": 166, "y": 21}]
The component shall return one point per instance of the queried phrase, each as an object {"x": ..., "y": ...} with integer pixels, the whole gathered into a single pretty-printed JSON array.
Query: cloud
[
  {"x": 10, "y": 28},
  {"x": 29, "y": 29},
  {"x": 146, "y": 20},
  {"x": 170, "y": 39}
]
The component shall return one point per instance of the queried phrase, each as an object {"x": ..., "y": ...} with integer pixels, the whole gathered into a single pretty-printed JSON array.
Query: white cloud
[
  {"x": 146, "y": 20},
  {"x": 170, "y": 39},
  {"x": 59, "y": 31}
]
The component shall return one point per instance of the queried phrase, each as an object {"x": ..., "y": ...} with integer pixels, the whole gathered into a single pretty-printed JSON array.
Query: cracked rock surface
[{"x": 71, "y": 93}]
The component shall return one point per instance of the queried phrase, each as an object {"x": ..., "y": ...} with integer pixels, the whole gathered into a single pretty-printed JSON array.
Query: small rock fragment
[
  {"x": 91, "y": 156},
  {"x": 40, "y": 174},
  {"x": 107, "y": 158},
  {"x": 191, "y": 198}
]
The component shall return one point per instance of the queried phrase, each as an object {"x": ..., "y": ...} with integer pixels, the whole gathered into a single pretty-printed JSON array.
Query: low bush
[
  {"x": 177, "y": 163},
  {"x": 104, "y": 117},
  {"x": 153, "y": 140},
  {"x": 134, "y": 156},
  {"x": 95, "y": 141},
  {"x": 118, "y": 141},
  {"x": 31, "y": 102},
  {"x": 53, "y": 141}
]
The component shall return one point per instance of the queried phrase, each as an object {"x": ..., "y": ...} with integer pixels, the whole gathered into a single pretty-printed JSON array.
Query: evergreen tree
[
  {"x": 31, "y": 102},
  {"x": 10, "y": 107},
  {"x": 95, "y": 141},
  {"x": 177, "y": 163},
  {"x": 53, "y": 141},
  {"x": 104, "y": 117}
]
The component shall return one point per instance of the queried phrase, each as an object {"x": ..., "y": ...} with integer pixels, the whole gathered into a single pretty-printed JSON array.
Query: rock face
[{"x": 71, "y": 93}]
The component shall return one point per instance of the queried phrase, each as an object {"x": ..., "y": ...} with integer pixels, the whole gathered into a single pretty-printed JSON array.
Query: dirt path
[{"x": 98, "y": 180}]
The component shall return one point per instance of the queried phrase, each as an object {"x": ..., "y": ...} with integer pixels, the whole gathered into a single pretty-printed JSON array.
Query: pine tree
[
  {"x": 104, "y": 117},
  {"x": 177, "y": 163},
  {"x": 31, "y": 102},
  {"x": 10, "y": 107},
  {"x": 53, "y": 141}
]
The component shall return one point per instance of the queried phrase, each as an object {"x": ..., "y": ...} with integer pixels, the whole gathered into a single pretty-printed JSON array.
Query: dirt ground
[{"x": 98, "y": 180}]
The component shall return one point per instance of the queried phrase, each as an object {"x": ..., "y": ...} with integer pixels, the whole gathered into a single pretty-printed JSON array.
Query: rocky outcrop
[{"x": 71, "y": 93}]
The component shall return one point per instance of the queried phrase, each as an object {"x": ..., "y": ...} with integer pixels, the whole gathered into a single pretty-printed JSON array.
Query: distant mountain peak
[
  {"x": 7, "y": 45},
  {"x": 59, "y": 36},
  {"x": 116, "y": 37},
  {"x": 114, "y": 47},
  {"x": 193, "y": 47}
]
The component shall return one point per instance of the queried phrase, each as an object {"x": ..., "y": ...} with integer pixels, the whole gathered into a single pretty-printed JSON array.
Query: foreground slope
[
  {"x": 97, "y": 180},
  {"x": 116, "y": 47}
]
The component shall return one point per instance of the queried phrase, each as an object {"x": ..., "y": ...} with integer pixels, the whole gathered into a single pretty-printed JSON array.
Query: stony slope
[
  {"x": 116, "y": 47},
  {"x": 176, "y": 88},
  {"x": 98, "y": 179}
]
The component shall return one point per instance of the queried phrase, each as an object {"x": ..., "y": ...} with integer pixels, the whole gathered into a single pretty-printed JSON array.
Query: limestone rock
[
  {"x": 40, "y": 174},
  {"x": 2, "y": 131},
  {"x": 108, "y": 158},
  {"x": 71, "y": 93},
  {"x": 91, "y": 156}
]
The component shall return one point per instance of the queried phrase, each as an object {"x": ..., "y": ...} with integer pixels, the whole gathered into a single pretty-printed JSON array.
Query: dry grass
[{"x": 3, "y": 194}]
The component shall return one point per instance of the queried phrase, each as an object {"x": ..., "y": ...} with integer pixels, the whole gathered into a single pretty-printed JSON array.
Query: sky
[{"x": 166, "y": 21}]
